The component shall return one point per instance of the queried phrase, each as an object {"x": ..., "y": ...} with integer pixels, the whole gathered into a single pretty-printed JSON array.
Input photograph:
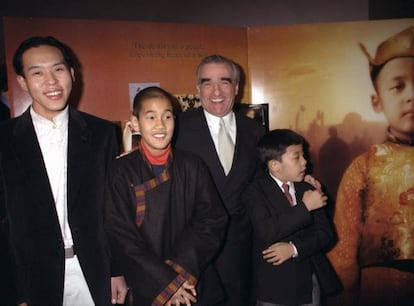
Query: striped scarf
[{"x": 141, "y": 189}]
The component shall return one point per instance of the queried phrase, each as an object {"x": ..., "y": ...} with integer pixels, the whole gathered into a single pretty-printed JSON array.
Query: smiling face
[
  {"x": 217, "y": 88},
  {"x": 292, "y": 167},
  {"x": 47, "y": 79},
  {"x": 395, "y": 96},
  {"x": 156, "y": 124}
]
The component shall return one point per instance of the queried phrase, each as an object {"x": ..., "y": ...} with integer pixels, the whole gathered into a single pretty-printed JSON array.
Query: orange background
[{"x": 116, "y": 53}]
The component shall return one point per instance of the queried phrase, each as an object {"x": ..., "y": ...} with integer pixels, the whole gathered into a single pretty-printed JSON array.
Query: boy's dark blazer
[
  {"x": 28, "y": 220},
  {"x": 194, "y": 135},
  {"x": 274, "y": 220}
]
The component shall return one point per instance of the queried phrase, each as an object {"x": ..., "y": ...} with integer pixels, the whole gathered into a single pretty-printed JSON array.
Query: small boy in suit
[{"x": 291, "y": 229}]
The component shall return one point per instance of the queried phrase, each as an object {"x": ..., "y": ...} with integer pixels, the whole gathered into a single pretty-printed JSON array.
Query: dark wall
[
  {"x": 380, "y": 9},
  {"x": 215, "y": 12}
]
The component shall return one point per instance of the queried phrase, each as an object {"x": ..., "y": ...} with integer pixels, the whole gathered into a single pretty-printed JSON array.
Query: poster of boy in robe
[{"x": 322, "y": 83}]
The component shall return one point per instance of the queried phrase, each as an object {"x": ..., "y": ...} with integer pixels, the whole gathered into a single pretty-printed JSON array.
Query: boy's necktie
[
  {"x": 225, "y": 147},
  {"x": 287, "y": 193}
]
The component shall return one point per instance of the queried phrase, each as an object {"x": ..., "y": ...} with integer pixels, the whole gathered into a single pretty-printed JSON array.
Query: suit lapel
[
  {"x": 79, "y": 139},
  {"x": 28, "y": 154},
  {"x": 275, "y": 195},
  {"x": 207, "y": 145}
]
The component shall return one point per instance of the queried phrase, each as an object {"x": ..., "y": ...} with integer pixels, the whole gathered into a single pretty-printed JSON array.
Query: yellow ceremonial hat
[{"x": 398, "y": 45}]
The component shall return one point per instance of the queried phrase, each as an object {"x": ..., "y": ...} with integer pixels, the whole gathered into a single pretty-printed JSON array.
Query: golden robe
[{"x": 374, "y": 219}]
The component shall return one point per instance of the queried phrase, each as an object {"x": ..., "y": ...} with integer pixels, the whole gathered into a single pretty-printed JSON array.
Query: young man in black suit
[
  {"x": 198, "y": 132},
  {"x": 53, "y": 164},
  {"x": 291, "y": 229}
]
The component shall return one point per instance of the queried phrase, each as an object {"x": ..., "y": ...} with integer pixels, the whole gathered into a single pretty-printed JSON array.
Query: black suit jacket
[
  {"x": 274, "y": 220},
  {"x": 193, "y": 135},
  {"x": 28, "y": 219}
]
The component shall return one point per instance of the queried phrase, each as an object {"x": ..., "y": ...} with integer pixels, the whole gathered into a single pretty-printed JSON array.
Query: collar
[
  {"x": 394, "y": 139},
  {"x": 59, "y": 121},
  {"x": 151, "y": 159},
  {"x": 214, "y": 121},
  {"x": 280, "y": 183}
]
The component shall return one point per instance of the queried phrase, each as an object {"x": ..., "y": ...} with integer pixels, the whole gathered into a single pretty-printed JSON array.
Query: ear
[
  {"x": 72, "y": 73},
  {"x": 274, "y": 165},
  {"x": 376, "y": 103},
  {"x": 236, "y": 89},
  {"x": 134, "y": 123},
  {"x": 22, "y": 82},
  {"x": 198, "y": 88}
]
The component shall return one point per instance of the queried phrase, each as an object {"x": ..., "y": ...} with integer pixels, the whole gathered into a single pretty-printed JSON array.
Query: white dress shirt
[{"x": 53, "y": 141}]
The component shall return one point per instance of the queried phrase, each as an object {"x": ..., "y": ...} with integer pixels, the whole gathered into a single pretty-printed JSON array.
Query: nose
[
  {"x": 410, "y": 92},
  {"x": 50, "y": 78},
  {"x": 303, "y": 161},
  {"x": 159, "y": 122},
  {"x": 216, "y": 88}
]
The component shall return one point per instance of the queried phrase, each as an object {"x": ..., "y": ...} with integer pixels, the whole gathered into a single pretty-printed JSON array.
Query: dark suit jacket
[
  {"x": 193, "y": 135},
  {"x": 274, "y": 220},
  {"x": 28, "y": 218}
]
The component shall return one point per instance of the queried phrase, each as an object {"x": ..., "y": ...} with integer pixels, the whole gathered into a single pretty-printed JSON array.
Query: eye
[
  {"x": 206, "y": 84},
  {"x": 226, "y": 83},
  {"x": 36, "y": 73},
  {"x": 60, "y": 68},
  {"x": 398, "y": 86}
]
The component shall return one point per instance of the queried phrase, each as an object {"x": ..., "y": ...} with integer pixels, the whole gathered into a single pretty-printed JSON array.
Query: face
[
  {"x": 292, "y": 167},
  {"x": 217, "y": 89},
  {"x": 47, "y": 79},
  {"x": 156, "y": 124},
  {"x": 395, "y": 96}
]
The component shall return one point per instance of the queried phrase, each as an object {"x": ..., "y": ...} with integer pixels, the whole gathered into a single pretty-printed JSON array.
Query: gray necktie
[{"x": 225, "y": 147}]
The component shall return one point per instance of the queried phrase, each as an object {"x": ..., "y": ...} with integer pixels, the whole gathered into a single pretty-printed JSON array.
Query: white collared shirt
[
  {"x": 53, "y": 140},
  {"x": 291, "y": 188},
  {"x": 213, "y": 123}
]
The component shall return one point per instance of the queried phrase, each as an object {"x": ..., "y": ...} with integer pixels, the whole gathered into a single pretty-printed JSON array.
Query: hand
[
  {"x": 184, "y": 295},
  {"x": 22, "y": 304},
  {"x": 314, "y": 182},
  {"x": 314, "y": 199},
  {"x": 119, "y": 290},
  {"x": 127, "y": 137},
  {"x": 278, "y": 253}
]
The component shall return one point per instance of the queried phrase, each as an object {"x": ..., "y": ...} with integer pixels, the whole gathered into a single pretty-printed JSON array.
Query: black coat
[
  {"x": 29, "y": 224},
  {"x": 193, "y": 135},
  {"x": 184, "y": 222}
]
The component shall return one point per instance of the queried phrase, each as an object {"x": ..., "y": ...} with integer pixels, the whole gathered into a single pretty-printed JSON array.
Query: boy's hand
[
  {"x": 119, "y": 289},
  {"x": 314, "y": 199},
  {"x": 313, "y": 181},
  {"x": 184, "y": 295},
  {"x": 278, "y": 253}
]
